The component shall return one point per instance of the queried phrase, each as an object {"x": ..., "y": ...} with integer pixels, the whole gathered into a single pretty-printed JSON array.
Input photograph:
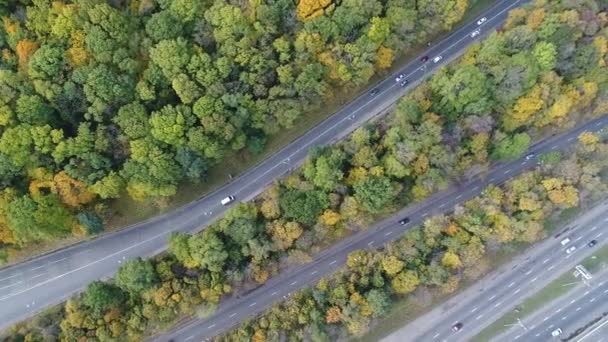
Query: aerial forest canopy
[{"x": 102, "y": 99}]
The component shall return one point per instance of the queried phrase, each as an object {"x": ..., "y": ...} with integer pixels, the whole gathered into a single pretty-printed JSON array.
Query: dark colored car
[
  {"x": 456, "y": 327},
  {"x": 592, "y": 243},
  {"x": 404, "y": 83},
  {"x": 404, "y": 221},
  {"x": 424, "y": 58},
  {"x": 374, "y": 92}
]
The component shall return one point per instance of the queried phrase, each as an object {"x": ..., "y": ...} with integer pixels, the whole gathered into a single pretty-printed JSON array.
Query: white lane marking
[
  {"x": 551, "y": 326},
  {"x": 578, "y": 309},
  {"x": 252, "y": 304},
  {"x": 553, "y": 147},
  {"x": 37, "y": 268},
  {"x": 592, "y": 300},
  {"x": 511, "y": 285},
  {"x": 475, "y": 309},
  {"x": 551, "y": 267},
  {"x": 13, "y": 276},
  {"x": 211, "y": 326},
  {"x": 564, "y": 318},
  {"x": 56, "y": 261},
  {"x": 388, "y": 233},
  {"x": 441, "y": 205},
  {"x": 600, "y": 234},
  {"x": 534, "y": 279},
  {"x": 572, "y": 301},
  {"x": 537, "y": 335},
  {"x": 11, "y": 285},
  {"x": 425, "y": 214},
  {"x": 578, "y": 238},
  {"x": 274, "y": 293},
  {"x": 602, "y": 283},
  {"x": 459, "y": 196},
  {"x": 517, "y": 291},
  {"x": 593, "y": 228},
  {"x": 497, "y": 304},
  {"x": 232, "y": 314},
  {"x": 333, "y": 262},
  {"x": 37, "y": 275},
  {"x": 86, "y": 266},
  {"x": 436, "y": 335},
  {"x": 506, "y": 172},
  {"x": 491, "y": 180},
  {"x": 545, "y": 261},
  {"x": 559, "y": 310},
  {"x": 598, "y": 124},
  {"x": 528, "y": 273},
  {"x": 478, "y": 317},
  {"x": 545, "y": 319},
  {"x": 370, "y": 243},
  {"x": 571, "y": 138},
  {"x": 189, "y": 338},
  {"x": 494, "y": 296},
  {"x": 516, "y": 337},
  {"x": 586, "y": 293},
  {"x": 293, "y": 283},
  {"x": 313, "y": 272},
  {"x": 476, "y": 187}
]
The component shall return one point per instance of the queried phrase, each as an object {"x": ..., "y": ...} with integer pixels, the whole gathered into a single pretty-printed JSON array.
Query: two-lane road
[{"x": 33, "y": 285}]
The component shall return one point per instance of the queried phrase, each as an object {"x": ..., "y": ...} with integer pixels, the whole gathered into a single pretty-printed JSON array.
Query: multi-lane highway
[
  {"x": 30, "y": 286},
  {"x": 501, "y": 291},
  {"x": 238, "y": 309},
  {"x": 579, "y": 307}
]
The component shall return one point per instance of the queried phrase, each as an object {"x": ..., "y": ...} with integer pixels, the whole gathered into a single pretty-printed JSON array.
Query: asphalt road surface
[
  {"x": 501, "y": 291},
  {"x": 235, "y": 310},
  {"x": 49, "y": 279},
  {"x": 579, "y": 307}
]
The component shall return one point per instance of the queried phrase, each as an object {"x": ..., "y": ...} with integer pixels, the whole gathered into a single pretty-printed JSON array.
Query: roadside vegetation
[
  {"x": 544, "y": 71},
  {"x": 105, "y": 99}
]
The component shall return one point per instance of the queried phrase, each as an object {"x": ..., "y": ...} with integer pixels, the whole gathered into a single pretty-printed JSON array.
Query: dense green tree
[{"x": 136, "y": 275}]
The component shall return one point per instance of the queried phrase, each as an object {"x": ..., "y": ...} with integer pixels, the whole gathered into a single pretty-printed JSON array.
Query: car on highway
[
  {"x": 227, "y": 200},
  {"x": 404, "y": 221},
  {"x": 437, "y": 59},
  {"x": 424, "y": 58},
  {"x": 570, "y": 249},
  {"x": 530, "y": 156},
  {"x": 482, "y": 20},
  {"x": 556, "y": 332},
  {"x": 475, "y": 33},
  {"x": 456, "y": 327},
  {"x": 399, "y": 78},
  {"x": 404, "y": 83},
  {"x": 565, "y": 241},
  {"x": 374, "y": 92},
  {"x": 592, "y": 243}
]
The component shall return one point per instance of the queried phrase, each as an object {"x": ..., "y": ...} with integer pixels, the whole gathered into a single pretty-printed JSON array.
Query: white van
[
  {"x": 565, "y": 241},
  {"x": 227, "y": 200}
]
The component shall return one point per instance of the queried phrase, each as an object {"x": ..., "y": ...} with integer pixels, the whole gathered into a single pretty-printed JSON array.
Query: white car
[
  {"x": 481, "y": 21},
  {"x": 530, "y": 156},
  {"x": 399, "y": 78},
  {"x": 475, "y": 33},
  {"x": 556, "y": 332},
  {"x": 570, "y": 249},
  {"x": 437, "y": 59},
  {"x": 227, "y": 200},
  {"x": 565, "y": 241}
]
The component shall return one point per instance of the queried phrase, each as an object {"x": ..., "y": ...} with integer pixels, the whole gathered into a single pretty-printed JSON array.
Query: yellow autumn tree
[
  {"x": 25, "y": 50},
  {"x": 588, "y": 139},
  {"x": 524, "y": 109},
  {"x": 284, "y": 234},
  {"x": 308, "y": 9},
  {"x": 535, "y": 18},
  {"x": 516, "y": 16},
  {"x": 421, "y": 164},
  {"x": 77, "y": 54},
  {"x": 384, "y": 57},
  {"x": 356, "y": 175},
  {"x": 330, "y": 217},
  {"x": 392, "y": 265},
  {"x": 73, "y": 192},
  {"x": 333, "y": 315},
  {"x": 259, "y": 336},
  {"x": 451, "y": 260}
]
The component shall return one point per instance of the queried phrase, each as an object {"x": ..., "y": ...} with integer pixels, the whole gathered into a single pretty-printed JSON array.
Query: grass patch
[
  {"x": 404, "y": 310},
  {"x": 546, "y": 295},
  {"x": 597, "y": 261}
]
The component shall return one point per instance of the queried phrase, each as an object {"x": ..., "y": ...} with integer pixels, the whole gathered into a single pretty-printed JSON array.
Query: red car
[{"x": 424, "y": 58}]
